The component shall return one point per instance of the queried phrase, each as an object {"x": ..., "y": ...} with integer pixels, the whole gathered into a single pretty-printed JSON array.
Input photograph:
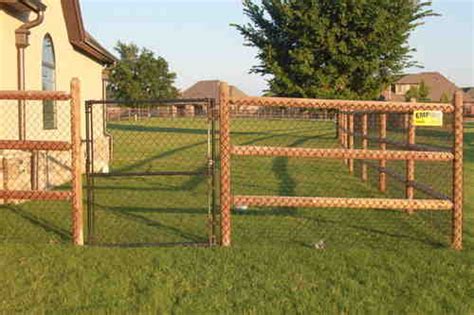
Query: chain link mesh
[
  {"x": 293, "y": 160},
  {"x": 37, "y": 167},
  {"x": 150, "y": 173}
]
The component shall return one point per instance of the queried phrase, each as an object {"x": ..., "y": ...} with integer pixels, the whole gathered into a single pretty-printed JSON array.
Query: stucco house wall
[{"x": 70, "y": 63}]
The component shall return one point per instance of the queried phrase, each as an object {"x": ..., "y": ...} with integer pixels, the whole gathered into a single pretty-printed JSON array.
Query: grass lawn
[{"x": 373, "y": 262}]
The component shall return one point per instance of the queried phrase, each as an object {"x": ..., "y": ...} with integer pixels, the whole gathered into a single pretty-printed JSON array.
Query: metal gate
[{"x": 150, "y": 172}]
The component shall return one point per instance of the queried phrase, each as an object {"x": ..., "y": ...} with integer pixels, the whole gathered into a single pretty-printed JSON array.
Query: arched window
[{"x": 48, "y": 72}]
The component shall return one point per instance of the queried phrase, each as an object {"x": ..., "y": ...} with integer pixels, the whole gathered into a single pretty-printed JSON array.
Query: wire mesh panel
[
  {"x": 407, "y": 178},
  {"x": 36, "y": 170},
  {"x": 151, "y": 172},
  {"x": 334, "y": 174}
]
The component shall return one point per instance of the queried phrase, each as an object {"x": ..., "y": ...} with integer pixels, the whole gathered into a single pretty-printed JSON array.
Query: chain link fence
[
  {"x": 38, "y": 170},
  {"x": 355, "y": 178},
  {"x": 315, "y": 173}
]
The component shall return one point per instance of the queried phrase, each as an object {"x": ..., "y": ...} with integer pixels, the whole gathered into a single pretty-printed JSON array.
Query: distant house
[
  {"x": 210, "y": 89},
  {"x": 469, "y": 91},
  {"x": 439, "y": 88},
  {"x": 44, "y": 45}
]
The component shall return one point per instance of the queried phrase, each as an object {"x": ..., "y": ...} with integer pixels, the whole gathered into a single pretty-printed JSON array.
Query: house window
[{"x": 48, "y": 72}]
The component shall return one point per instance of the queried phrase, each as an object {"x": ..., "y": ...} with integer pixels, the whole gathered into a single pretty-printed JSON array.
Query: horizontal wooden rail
[
  {"x": 341, "y": 153},
  {"x": 401, "y": 107},
  {"x": 352, "y": 203},
  {"x": 35, "y": 95},
  {"x": 34, "y": 145},
  {"x": 34, "y": 195}
]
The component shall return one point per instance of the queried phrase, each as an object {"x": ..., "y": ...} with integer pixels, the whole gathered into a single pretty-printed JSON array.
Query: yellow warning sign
[{"x": 428, "y": 118}]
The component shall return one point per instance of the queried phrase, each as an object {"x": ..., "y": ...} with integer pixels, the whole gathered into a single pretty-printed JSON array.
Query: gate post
[
  {"x": 225, "y": 185},
  {"x": 76, "y": 164},
  {"x": 458, "y": 180}
]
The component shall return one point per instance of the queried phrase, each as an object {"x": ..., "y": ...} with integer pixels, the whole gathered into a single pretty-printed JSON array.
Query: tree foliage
[
  {"x": 141, "y": 75},
  {"x": 327, "y": 48}
]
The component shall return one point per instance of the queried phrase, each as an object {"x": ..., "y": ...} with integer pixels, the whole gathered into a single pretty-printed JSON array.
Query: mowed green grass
[{"x": 373, "y": 262}]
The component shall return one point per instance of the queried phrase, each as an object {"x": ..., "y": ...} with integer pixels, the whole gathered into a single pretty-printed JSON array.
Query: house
[
  {"x": 44, "y": 45},
  {"x": 440, "y": 88},
  {"x": 469, "y": 91},
  {"x": 210, "y": 89}
]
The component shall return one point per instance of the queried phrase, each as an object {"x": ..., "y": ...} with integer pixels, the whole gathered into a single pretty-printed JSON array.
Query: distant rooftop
[
  {"x": 210, "y": 89},
  {"x": 437, "y": 83}
]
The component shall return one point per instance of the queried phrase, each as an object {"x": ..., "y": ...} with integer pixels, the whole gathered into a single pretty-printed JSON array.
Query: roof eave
[
  {"x": 25, "y": 5},
  {"x": 79, "y": 38},
  {"x": 91, "y": 51}
]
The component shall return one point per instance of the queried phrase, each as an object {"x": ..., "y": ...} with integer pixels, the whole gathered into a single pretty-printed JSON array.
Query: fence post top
[
  {"x": 458, "y": 98},
  {"x": 75, "y": 84}
]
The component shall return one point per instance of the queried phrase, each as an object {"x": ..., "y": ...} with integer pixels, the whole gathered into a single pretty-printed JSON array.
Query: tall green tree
[
  {"x": 141, "y": 75},
  {"x": 327, "y": 48}
]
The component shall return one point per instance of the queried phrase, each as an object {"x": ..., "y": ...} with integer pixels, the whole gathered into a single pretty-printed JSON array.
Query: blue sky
[{"x": 196, "y": 39}]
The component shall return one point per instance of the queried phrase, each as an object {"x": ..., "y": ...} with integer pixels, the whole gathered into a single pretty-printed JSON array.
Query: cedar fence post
[
  {"x": 344, "y": 133},
  {"x": 410, "y": 164},
  {"x": 76, "y": 164},
  {"x": 351, "y": 141},
  {"x": 365, "y": 145},
  {"x": 458, "y": 174},
  {"x": 343, "y": 129},
  {"x": 383, "y": 146},
  {"x": 225, "y": 194},
  {"x": 6, "y": 177}
]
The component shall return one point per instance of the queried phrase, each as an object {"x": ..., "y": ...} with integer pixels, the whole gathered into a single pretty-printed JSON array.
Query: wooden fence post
[
  {"x": 383, "y": 146},
  {"x": 76, "y": 164},
  {"x": 365, "y": 144},
  {"x": 410, "y": 164},
  {"x": 344, "y": 133},
  {"x": 6, "y": 177},
  {"x": 351, "y": 141},
  {"x": 225, "y": 152},
  {"x": 458, "y": 174},
  {"x": 343, "y": 130}
]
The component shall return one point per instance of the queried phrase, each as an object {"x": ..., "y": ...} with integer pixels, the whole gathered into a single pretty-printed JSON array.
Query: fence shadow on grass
[
  {"x": 131, "y": 214},
  {"x": 148, "y": 160},
  {"x": 47, "y": 226},
  {"x": 287, "y": 184},
  {"x": 156, "y": 210},
  {"x": 370, "y": 236}
]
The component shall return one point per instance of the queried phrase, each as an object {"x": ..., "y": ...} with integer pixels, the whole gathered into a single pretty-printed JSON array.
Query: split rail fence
[
  {"x": 354, "y": 121},
  {"x": 72, "y": 148}
]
